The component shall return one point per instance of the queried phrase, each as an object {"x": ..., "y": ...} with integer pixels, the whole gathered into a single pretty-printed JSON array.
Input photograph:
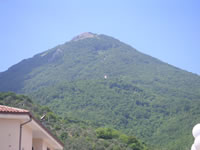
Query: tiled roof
[{"x": 7, "y": 109}]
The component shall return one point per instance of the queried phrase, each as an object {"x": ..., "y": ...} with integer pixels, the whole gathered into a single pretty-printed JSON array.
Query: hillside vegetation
[
  {"x": 73, "y": 133},
  {"x": 104, "y": 81},
  {"x": 128, "y": 107}
]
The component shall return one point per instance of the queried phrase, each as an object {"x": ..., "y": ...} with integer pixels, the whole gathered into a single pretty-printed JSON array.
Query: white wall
[
  {"x": 9, "y": 134},
  {"x": 40, "y": 144},
  {"x": 37, "y": 144},
  {"x": 26, "y": 138},
  {"x": 45, "y": 145}
]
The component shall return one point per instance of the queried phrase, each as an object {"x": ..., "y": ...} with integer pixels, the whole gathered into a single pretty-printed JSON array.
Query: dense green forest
[
  {"x": 127, "y": 107},
  {"x": 106, "y": 82},
  {"x": 73, "y": 133}
]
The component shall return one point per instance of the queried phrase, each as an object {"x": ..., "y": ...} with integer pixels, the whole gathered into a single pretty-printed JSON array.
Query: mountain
[{"x": 102, "y": 80}]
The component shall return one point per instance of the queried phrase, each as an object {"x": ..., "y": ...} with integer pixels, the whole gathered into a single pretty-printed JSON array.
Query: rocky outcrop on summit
[{"x": 84, "y": 36}]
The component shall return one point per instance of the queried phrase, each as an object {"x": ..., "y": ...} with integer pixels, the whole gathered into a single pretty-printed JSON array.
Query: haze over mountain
[{"x": 103, "y": 80}]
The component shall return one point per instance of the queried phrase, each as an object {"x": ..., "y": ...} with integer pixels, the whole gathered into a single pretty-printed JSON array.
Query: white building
[{"x": 19, "y": 130}]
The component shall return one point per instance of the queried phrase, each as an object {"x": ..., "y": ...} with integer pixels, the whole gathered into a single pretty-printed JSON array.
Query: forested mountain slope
[
  {"x": 100, "y": 79},
  {"x": 75, "y": 134}
]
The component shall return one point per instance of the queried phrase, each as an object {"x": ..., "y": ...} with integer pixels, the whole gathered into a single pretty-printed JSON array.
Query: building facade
[{"x": 19, "y": 130}]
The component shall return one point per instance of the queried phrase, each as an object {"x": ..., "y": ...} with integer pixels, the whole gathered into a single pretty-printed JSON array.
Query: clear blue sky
[{"x": 166, "y": 29}]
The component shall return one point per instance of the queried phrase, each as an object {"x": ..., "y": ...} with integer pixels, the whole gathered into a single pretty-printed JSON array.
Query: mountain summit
[
  {"x": 140, "y": 95},
  {"x": 84, "y": 36}
]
